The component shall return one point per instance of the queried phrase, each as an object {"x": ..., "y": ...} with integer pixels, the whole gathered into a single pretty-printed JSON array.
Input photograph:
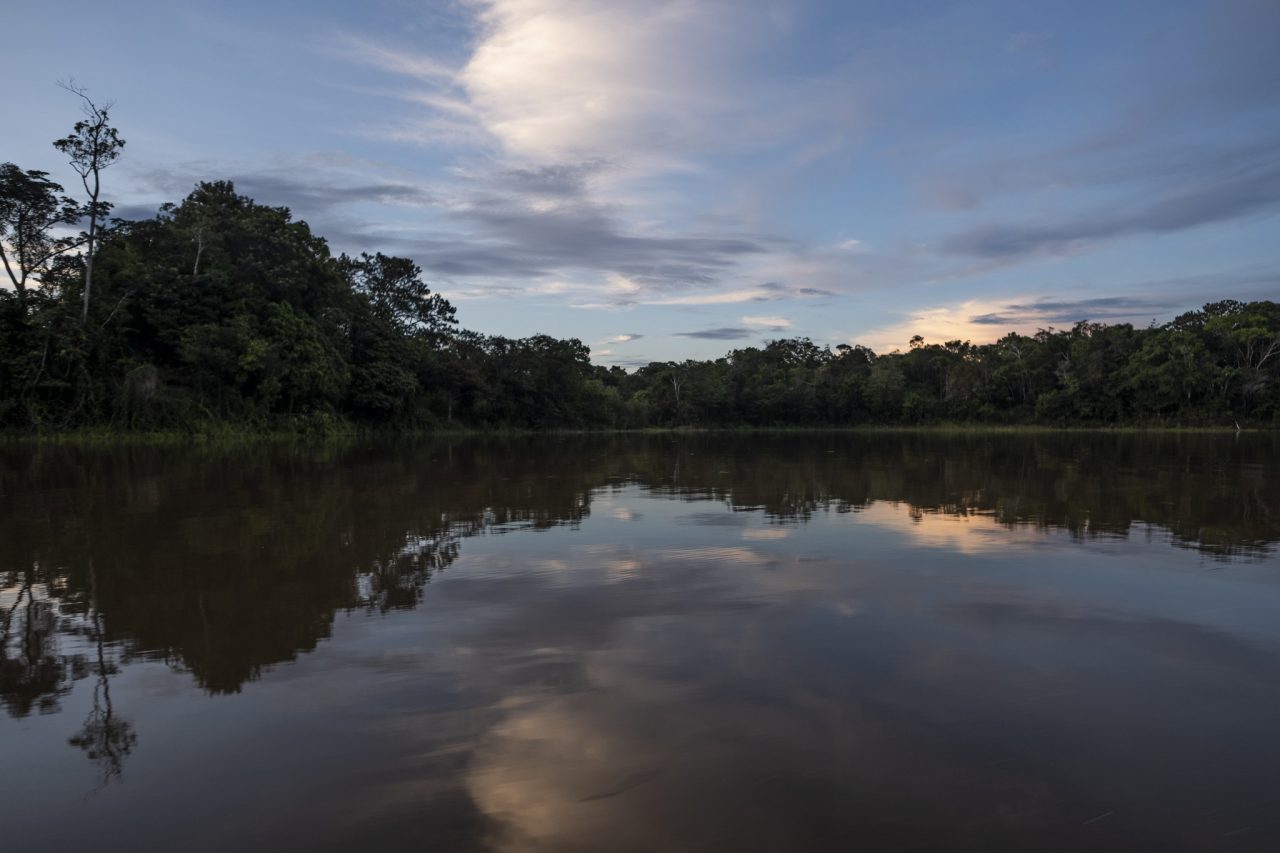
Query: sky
[{"x": 670, "y": 179}]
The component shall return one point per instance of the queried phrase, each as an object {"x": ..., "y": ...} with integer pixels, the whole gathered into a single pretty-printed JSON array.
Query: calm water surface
[{"x": 710, "y": 643}]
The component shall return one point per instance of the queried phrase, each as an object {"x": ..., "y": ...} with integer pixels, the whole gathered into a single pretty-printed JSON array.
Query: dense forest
[{"x": 221, "y": 313}]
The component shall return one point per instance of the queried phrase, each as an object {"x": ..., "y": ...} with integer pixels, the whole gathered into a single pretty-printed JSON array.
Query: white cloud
[
  {"x": 767, "y": 322},
  {"x": 621, "y": 285},
  {"x": 638, "y": 78},
  {"x": 724, "y": 298}
]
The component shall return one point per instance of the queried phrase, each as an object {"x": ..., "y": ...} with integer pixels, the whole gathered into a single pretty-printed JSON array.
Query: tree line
[{"x": 220, "y": 312}]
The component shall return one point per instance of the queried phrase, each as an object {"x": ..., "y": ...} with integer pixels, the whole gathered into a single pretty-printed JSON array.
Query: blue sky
[{"x": 676, "y": 178}]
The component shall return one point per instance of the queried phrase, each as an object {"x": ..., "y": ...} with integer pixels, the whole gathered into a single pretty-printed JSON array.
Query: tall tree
[
  {"x": 92, "y": 146},
  {"x": 395, "y": 288},
  {"x": 31, "y": 209}
]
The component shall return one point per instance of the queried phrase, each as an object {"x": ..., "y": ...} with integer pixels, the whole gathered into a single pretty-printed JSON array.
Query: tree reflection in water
[
  {"x": 223, "y": 562},
  {"x": 105, "y": 737},
  {"x": 35, "y": 673}
]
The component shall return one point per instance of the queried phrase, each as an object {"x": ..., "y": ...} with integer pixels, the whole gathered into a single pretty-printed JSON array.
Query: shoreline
[{"x": 237, "y": 436}]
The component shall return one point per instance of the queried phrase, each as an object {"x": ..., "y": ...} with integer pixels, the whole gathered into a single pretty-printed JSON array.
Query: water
[{"x": 713, "y": 643}]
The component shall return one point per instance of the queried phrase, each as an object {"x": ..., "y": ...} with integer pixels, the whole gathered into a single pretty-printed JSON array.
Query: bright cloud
[
  {"x": 774, "y": 323},
  {"x": 555, "y": 79}
]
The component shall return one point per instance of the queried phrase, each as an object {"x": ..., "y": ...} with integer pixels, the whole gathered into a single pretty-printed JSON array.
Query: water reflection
[
  {"x": 707, "y": 642},
  {"x": 34, "y": 672}
]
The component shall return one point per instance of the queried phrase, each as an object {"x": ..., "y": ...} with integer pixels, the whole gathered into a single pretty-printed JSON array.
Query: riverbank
[{"x": 221, "y": 434}]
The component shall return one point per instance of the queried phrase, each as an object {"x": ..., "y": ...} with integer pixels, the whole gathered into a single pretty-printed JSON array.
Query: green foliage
[
  {"x": 32, "y": 208},
  {"x": 221, "y": 314},
  {"x": 397, "y": 294}
]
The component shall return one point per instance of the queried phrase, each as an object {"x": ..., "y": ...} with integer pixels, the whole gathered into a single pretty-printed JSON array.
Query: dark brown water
[{"x": 711, "y": 643}]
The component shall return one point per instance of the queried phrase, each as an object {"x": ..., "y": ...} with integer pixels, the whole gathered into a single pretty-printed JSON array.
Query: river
[{"x": 711, "y": 642}]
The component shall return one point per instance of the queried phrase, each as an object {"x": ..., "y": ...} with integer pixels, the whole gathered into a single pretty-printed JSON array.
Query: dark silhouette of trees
[
  {"x": 32, "y": 208},
  {"x": 92, "y": 146}
]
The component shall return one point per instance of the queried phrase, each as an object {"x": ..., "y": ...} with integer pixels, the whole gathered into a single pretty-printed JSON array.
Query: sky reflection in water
[{"x": 704, "y": 643}]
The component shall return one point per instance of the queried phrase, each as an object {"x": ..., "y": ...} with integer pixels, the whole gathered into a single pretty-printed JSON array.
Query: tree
[
  {"x": 92, "y": 146},
  {"x": 395, "y": 288},
  {"x": 1247, "y": 334},
  {"x": 31, "y": 209}
]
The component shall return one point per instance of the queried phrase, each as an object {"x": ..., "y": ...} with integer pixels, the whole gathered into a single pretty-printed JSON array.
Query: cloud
[
  {"x": 400, "y": 62},
  {"x": 597, "y": 120},
  {"x": 649, "y": 83},
  {"x": 296, "y": 187},
  {"x": 514, "y": 235},
  {"x": 560, "y": 179},
  {"x": 774, "y": 324},
  {"x": 325, "y": 192},
  {"x": 1171, "y": 102},
  {"x": 134, "y": 212},
  {"x": 289, "y": 191},
  {"x": 621, "y": 339},
  {"x": 634, "y": 362},
  {"x": 767, "y": 292},
  {"x": 505, "y": 225},
  {"x": 1058, "y": 312},
  {"x": 1236, "y": 190},
  {"x": 723, "y": 298},
  {"x": 649, "y": 79},
  {"x": 721, "y": 334}
]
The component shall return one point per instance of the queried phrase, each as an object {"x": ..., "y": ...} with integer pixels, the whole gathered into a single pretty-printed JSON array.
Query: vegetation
[{"x": 221, "y": 313}]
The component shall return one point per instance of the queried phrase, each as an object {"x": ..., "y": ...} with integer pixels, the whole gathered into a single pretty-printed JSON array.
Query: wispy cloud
[
  {"x": 1235, "y": 189},
  {"x": 722, "y": 334},
  {"x": 723, "y": 298},
  {"x": 316, "y": 190},
  {"x": 774, "y": 324},
  {"x": 412, "y": 64},
  {"x": 1068, "y": 312}
]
